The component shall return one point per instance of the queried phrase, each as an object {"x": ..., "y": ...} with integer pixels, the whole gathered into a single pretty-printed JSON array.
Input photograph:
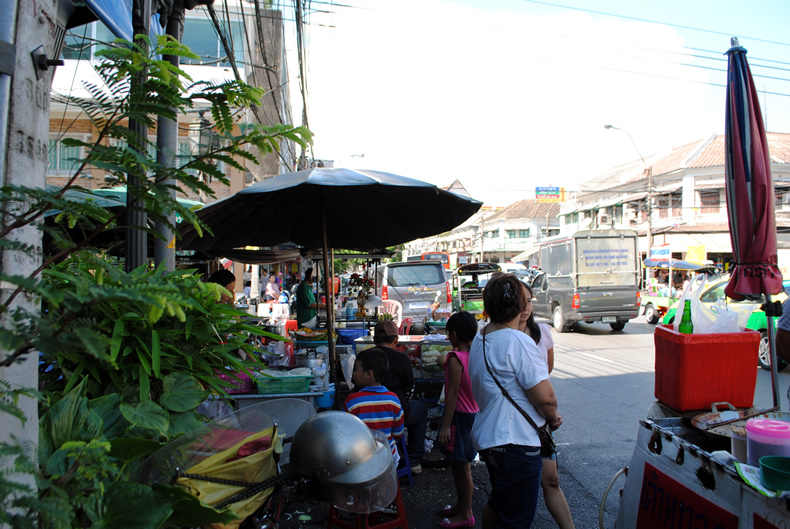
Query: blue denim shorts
[
  {"x": 514, "y": 471},
  {"x": 462, "y": 448}
]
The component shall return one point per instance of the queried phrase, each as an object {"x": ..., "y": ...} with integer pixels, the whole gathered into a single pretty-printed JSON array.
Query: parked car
[
  {"x": 416, "y": 285},
  {"x": 713, "y": 292}
]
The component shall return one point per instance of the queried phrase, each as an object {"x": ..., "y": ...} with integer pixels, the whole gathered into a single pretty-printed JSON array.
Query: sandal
[
  {"x": 447, "y": 524},
  {"x": 448, "y": 511}
]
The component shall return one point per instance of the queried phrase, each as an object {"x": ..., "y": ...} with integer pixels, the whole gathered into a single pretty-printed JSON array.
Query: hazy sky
[{"x": 507, "y": 95}]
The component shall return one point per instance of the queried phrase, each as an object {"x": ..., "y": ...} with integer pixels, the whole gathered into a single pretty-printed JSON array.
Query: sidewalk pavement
[{"x": 434, "y": 488}]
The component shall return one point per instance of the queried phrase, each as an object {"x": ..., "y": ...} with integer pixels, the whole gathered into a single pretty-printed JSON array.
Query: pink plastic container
[{"x": 766, "y": 437}]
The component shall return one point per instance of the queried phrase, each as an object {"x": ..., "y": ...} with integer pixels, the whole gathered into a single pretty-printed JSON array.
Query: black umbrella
[
  {"x": 358, "y": 210},
  {"x": 330, "y": 208}
]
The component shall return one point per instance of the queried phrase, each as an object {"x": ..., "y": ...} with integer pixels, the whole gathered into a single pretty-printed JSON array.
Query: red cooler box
[{"x": 695, "y": 370}]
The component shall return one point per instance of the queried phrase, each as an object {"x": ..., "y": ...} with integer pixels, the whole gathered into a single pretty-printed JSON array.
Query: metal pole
[
  {"x": 648, "y": 171},
  {"x": 167, "y": 147},
  {"x": 769, "y": 317},
  {"x": 330, "y": 300},
  {"x": 136, "y": 217}
]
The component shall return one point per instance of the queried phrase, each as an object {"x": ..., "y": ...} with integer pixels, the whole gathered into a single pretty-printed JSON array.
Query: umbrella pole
[
  {"x": 769, "y": 317},
  {"x": 330, "y": 301}
]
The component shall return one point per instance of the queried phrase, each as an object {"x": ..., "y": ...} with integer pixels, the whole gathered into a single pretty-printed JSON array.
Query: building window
[
  {"x": 202, "y": 39},
  {"x": 523, "y": 234},
  {"x": 510, "y": 234},
  {"x": 61, "y": 158},
  {"x": 84, "y": 41},
  {"x": 709, "y": 201},
  {"x": 670, "y": 205}
]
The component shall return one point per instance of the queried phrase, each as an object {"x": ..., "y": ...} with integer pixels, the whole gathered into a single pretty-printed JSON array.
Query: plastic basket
[
  {"x": 347, "y": 336},
  {"x": 273, "y": 385},
  {"x": 695, "y": 370}
]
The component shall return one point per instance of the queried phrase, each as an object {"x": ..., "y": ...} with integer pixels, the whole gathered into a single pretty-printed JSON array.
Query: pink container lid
[{"x": 769, "y": 428}]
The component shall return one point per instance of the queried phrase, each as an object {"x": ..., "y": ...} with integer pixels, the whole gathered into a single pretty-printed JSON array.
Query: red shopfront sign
[{"x": 664, "y": 503}]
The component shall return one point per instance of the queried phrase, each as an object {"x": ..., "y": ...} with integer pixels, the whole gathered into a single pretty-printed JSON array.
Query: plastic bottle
[{"x": 686, "y": 326}]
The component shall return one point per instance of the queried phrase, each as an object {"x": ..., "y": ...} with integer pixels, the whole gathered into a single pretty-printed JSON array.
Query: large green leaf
[
  {"x": 69, "y": 419},
  {"x": 113, "y": 421},
  {"x": 147, "y": 415},
  {"x": 182, "y": 392},
  {"x": 181, "y": 423},
  {"x": 129, "y": 449},
  {"x": 190, "y": 511},
  {"x": 135, "y": 506}
]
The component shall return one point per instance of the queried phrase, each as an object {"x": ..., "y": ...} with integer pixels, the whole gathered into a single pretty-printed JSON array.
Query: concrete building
[
  {"x": 494, "y": 235},
  {"x": 258, "y": 54},
  {"x": 679, "y": 197}
]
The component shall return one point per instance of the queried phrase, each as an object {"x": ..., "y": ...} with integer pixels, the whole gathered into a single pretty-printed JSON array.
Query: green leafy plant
[{"x": 125, "y": 358}]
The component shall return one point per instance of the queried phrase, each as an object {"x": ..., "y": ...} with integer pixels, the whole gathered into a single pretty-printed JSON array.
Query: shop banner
[
  {"x": 660, "y": 252},
  {"x": 550, "y": 194},
  {"x": 696, "y": 254}
]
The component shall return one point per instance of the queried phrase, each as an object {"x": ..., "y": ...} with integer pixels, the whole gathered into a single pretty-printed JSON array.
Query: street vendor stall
[{"x": 688, "y": 467}]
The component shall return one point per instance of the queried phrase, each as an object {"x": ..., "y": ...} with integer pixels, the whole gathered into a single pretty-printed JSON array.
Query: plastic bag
[
  {"x": 688, "y": 295},
  {"x": 347, "y": 364},
  {"x": 721, "y": 317}
]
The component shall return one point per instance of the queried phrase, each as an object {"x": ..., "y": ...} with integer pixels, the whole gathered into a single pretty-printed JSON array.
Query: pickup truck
[{"x": 592, "y": 275}]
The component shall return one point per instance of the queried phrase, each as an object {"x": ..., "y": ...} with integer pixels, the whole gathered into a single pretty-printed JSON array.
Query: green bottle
[{"x": 686, "y": 327}]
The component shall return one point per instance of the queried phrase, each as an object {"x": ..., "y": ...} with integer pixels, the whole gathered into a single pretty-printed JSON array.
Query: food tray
[{"x": 273, "y": 385}]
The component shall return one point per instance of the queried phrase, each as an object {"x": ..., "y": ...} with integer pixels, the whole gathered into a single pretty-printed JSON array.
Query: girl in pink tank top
[{"x": 460, "y": 408}]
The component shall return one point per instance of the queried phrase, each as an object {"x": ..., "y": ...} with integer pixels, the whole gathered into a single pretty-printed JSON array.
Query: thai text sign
[
  {"x": 665, "y": 503},
  {"x": 550, "y": 194}
]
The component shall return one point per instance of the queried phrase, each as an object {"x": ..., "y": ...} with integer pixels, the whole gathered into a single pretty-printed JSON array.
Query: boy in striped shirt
[{"x": 377, "y": 407}]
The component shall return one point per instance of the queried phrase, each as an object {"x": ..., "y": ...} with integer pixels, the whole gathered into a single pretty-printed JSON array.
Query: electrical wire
[{"x": 649, "y": 21}]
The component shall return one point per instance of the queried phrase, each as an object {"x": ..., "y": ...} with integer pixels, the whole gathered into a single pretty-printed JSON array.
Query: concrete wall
[{"x": 26, "y": 162}]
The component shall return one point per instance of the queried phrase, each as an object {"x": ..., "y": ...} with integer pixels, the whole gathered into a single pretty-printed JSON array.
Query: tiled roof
[
  {"x": 527, "y": 209},
  {"x": 702, "y": 153}
]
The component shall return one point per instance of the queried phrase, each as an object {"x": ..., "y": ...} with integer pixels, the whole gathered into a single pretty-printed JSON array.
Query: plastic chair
[
  {"x": 289, "y": 414},
  {"x": 406, "y": 470},
  {"x": 405, "y": 327},
  {"x": 395, "y": 308}
]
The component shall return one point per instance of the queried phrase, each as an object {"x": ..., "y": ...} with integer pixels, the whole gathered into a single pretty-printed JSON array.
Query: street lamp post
[{"x": 648, "y": 171}]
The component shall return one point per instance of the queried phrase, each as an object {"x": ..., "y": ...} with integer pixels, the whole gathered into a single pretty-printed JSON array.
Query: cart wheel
[
  {"x": 559, "y": 319},
  {"x": 618, "y": 326},
  {"x": 764, "y": 356},
  {"x": 651, "y": 314}
]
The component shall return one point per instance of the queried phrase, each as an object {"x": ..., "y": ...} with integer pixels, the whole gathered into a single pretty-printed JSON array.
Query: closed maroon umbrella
[{"x": 750, "y": 194}]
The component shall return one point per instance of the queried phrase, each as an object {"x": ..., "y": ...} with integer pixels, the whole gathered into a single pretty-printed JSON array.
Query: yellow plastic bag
[{"x": 252, "y": 469}]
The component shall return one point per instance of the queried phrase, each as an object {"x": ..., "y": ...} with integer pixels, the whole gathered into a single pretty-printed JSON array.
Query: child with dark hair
[
  {"x": 460, "y": 408},
  {"x": 376, "y": 406},
  {"x": 226, "y": 279}
]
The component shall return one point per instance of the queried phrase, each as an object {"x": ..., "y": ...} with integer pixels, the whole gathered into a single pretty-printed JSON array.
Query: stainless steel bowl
[{"x": 303, "y": 360}]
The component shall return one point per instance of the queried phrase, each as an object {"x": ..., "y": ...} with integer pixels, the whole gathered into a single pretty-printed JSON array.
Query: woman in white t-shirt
[
  {"x": 550, "y": 477},
  {"x": 507, "y": 442}
]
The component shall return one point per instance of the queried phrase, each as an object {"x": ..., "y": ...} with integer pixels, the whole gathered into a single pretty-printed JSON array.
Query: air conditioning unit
[{"x": 603, "y": 219}]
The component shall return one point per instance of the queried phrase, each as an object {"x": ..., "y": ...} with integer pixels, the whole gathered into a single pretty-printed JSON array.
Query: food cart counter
[
  {"x": 426, "y": 352},
  {"x": 674, "y": 481}
]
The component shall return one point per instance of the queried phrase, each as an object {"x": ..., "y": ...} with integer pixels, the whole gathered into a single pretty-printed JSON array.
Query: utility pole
[
  {"x": 136, "y": 216},
  {"x": 167, "y": 147},
  {"x": 648, "y": 173}
]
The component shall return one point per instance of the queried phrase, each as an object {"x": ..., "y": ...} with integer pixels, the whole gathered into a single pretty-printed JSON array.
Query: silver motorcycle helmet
[{"x": 353, "y": 463}]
